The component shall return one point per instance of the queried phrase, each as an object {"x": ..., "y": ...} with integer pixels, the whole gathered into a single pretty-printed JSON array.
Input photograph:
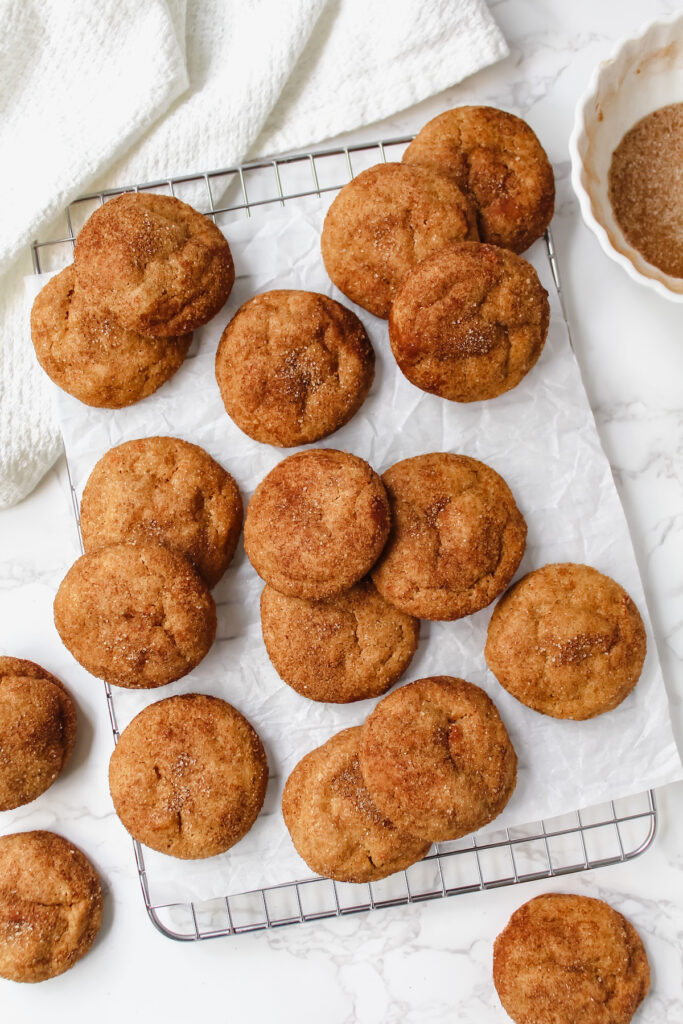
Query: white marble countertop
[{"x": 428, "y": 963}]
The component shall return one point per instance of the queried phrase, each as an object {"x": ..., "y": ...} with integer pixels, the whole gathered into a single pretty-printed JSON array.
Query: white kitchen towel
[{"x": 113, "y": 92}]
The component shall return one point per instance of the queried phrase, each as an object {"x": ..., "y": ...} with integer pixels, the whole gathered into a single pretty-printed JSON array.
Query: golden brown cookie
[
  {"x": 333, "y": 822},
  {"x": 350, "y": 647},
  {"x": 293, "y": 367},
  {"x": 456, "y": 540},
  {"x": 135, "y": 615},
  {"x": 469, "y": 322},
  {"x": 499, "y": 164},
  {"x": 437, "y": 759},
  {"x": 383, "y": 222},
  {"x": 37, "y": 731},
  {"x": 161, "y": 267},
  {"x": 168, "y": 491},
  {"x": 50, "y": 906},
  {"x": 569, "y": 958},
  {"x": 567, "y": 641},
  {"x": 317, "y": 523},
  {"x": 188, "y": 776},
  {"x": 86, "y": 353}
]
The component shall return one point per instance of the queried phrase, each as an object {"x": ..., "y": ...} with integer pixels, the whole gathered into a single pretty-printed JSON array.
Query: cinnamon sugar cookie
[
  {"x": 457, "y": 536},
  {"x": 350, "y": 647},
  {"x": 567, "y": 641},
  {"x": 333, "y": 822},
  {"x": 437, "y": 759},
  {"x": 293, "y": 367},
  {"x": 317, "y": 523},
  {"x": 383, "y": 222},
  {"x": 188, "y": 776},
  {"x": 570, "y": 958}
]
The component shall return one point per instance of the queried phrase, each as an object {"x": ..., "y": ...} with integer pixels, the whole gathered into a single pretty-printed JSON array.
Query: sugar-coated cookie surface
[
  {"x": 383, "y": 222},
  {"x": 50, "y": 906},
  {"x": 456, "y": 540},
  {"x": 563, "y": 958},
  {"x": 499, "y": 164},
  {"x": 85, "y": 351},
  {"x": 317, "y": 523},
  {"x": 188, "y": 776},
  {"x": 161, "y": 267},
  {"x": 567, "y": 641},
  {"x": 437, "y": 759},
  {"x": 333, "y": 822},
  {"x": 293, "y": 366},
  {"x": 168, "y": 491},
  {"x": 469, "y": 322},
  {"x": 136, "y": 615},
  {"x": 349, "y": 647}
]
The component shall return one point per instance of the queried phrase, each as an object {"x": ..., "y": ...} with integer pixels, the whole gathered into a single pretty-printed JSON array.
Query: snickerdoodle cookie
[
  {"x": 350, "y": 647},
  {"x": 88, "y": 354},
  {"x": 469, "y": 322},
  {"x": 165, "y": 490},
  {"x": 161, "y": 267},
  {"x": 333, "y": 822},
  {"x": 456, "y": 540},
  {"x": 293, "y": 367},
  {"x": 50, "y": 906},
  {"x": 317, "y": 523},
  {"x": 499, "y": 164},
  {"x": 135, "y": 615},
  {"x": 437, "y": 759},
  {"x": 383, "y": 222},
  {"x": 567, "y": 641},
  {"x": 188, "y": 776},
  {"x": 569, "y": 958},
  {"x": 37, "y": 731}
]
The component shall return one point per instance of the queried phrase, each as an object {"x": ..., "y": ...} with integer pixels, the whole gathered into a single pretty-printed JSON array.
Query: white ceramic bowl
[{"x": 642, "y": 74}]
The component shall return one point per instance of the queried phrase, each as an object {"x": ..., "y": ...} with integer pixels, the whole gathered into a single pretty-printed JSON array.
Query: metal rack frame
[{"x": 613, "y": 833}]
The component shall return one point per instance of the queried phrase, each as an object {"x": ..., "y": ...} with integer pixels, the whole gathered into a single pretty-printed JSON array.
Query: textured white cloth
[{"x": 113, "y": 92}]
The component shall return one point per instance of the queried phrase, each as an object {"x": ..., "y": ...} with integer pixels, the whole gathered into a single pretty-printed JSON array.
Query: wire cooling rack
[{"x": 610, "y": 833}]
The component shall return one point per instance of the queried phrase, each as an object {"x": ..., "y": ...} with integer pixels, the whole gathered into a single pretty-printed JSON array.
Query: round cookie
[
  {"x": 37, "y": 731},
  {"x": 469, "y": 322},
  {"x": 567, "y": 641},
  {"x": 383, "y": 222},
  {"x": 168, "y": 491},
  {"x": 499, "y": 164},
  {"x": 135, "y": 615},
  {"x": 437, "y": 759},
  {"x": 317, "y": 523},
  {"x": 87, "y": 354},
  {"x": 50, "y": 906},
  {"x": 350, "y": 647},
  {"x": 293, "y": 367},
  {"x": 188, "y": 776},
  {"x": 333, "y": 822},
  {"x": 569, "y": 958},
  {"x": 161, "y": 267},
  {"x": 457, "y": 536}
]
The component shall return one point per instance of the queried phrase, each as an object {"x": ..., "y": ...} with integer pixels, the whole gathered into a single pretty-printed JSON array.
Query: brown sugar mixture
[{"x": 646, "y": 188}]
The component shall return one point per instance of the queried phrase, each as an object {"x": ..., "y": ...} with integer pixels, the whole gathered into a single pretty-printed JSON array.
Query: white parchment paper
[{"x": 541, "y": 438}]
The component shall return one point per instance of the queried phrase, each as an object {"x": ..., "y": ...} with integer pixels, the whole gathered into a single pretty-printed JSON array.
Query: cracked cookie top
[
  {"x": 188, "y": 776},
  {"x": 499, "y": 164},
  {"x": 383, "y": 222},
  {"x": 333, "y": 822},
  {"x": 350, "y": 647},
  {"x": 50, "y": 906},
  {"x": 469, "y": 322},
  {"x": 457, "y": 536},
  {"x": 567, "y": 641},
  {"x": 135, "y": 615},
  {"x": 293, "y": 367}
]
